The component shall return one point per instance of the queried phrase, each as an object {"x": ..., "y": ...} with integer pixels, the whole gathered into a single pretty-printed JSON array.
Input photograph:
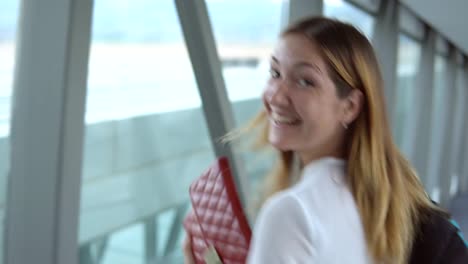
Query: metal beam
[
  {"x": 410, "y": 24},
  {"x": 101, "y": 249},
  {"x": 299, "y": 9},
  {"x": 176, "y": 228},
  {"x": 369, "y": 6},
  {"x": 150, "y": 227},
  {"x": 385, "y": 41},
  {"x": 464, "y": 156},
  {"x": 47, "y": 132},
  {"x": 86, "y": 255},
  {"x": 459, "y": 127},
  {"x": 442, "y": 46},
  {"x": 418, "y": 132},
  {"x": 194, "y": 19},
  {"x": 447, "y": 127}
]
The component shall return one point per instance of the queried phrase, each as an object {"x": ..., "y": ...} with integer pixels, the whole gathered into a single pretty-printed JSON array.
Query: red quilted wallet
[{"x": 217, "y": 221}]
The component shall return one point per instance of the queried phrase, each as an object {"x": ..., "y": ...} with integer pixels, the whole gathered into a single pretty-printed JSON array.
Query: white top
[{"x": 315, "y": 221}]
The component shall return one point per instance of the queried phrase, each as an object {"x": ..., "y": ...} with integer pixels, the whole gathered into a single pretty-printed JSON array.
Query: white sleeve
[{"x": 282, "y": 233}]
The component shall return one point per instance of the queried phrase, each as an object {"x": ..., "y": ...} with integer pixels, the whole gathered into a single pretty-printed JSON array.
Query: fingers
[{"x": 187, "y": 249}]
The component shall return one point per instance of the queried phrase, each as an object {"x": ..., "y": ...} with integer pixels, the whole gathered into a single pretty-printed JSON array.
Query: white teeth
[{"x": 283, "y": 119}]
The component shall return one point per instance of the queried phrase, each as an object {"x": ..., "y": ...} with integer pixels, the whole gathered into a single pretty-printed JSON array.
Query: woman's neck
[{"x": 308, "y": 157}]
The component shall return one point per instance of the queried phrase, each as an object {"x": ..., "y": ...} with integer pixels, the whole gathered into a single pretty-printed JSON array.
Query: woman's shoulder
[
  {"x": 285, "y": 207},
  {"x": 282, "y": 230},
  {"x": 439, "y": 240},
  {"x": 286, "y": 201}
]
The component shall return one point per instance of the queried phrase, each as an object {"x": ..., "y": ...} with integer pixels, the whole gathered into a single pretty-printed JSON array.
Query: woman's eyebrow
[
  {"x": 300, "y": 64},
  {"x": 274, "y": 60}
]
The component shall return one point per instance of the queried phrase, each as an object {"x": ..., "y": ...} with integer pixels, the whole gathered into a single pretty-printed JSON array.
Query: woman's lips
[{"x": 280, "y": 119}]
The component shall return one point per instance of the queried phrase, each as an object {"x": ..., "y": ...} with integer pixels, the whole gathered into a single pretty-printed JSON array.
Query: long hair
[{"x": 388, "y": 193}]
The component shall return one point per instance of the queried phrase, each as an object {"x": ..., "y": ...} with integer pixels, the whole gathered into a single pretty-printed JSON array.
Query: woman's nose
[{"x": 277, "y": 94}]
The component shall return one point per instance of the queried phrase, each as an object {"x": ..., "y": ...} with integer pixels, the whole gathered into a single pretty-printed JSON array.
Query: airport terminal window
[
  {"x": 346, "y": 12},
  {"x": 146, "y": 137},
  {"x": 9, "y": 10},
  {"x": 409, "y": 52}
]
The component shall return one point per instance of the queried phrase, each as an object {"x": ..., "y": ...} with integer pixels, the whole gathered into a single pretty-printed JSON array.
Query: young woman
[{"x": 358, "y": 200}]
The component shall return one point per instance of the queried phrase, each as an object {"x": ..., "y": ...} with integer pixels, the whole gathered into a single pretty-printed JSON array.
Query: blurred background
[{"x": 110, "y": 109}]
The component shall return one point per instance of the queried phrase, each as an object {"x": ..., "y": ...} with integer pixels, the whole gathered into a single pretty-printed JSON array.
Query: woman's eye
[
  {"x": 274, "y": 74},
  {"x": 304, "y": 83}
]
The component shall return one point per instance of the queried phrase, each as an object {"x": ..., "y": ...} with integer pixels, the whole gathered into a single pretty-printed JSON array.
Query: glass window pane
[
  {"x": 409, "y": 52},
  {"x": 9, "y": 10},
  {"x": 146, "y": 137},
  {"x": 346, "y": 12},
  {"x": 246, "y": 32}
]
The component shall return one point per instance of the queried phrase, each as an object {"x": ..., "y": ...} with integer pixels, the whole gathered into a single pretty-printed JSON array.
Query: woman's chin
[{"x": 280, "y": 145}]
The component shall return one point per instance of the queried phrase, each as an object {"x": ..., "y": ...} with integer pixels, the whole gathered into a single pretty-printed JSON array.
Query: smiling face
[{"x": 305, "y": 113}]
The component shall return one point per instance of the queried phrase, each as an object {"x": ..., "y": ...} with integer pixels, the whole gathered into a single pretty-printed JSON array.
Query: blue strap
[{"x": 459, "y": 231}]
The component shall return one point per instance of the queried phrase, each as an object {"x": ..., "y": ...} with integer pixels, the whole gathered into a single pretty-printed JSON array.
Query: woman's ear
[{"x": 353, "y": 105}]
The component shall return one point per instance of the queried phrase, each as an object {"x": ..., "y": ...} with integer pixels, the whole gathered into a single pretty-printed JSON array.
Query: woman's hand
[{"x": 187, "y": 248}]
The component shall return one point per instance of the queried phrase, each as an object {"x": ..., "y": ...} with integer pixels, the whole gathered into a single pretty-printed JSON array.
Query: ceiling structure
[{"x": 449, "y": 17}]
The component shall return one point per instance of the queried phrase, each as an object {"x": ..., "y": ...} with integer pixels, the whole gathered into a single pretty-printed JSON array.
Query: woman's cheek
[{"x": 266, "y": 95}]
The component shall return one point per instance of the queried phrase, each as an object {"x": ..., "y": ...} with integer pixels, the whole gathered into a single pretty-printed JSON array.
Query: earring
[{"x": 344, "y": 125}]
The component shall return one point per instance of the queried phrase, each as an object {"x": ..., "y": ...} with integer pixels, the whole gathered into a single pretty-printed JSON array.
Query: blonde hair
[{"x": 388, "y": 193}]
